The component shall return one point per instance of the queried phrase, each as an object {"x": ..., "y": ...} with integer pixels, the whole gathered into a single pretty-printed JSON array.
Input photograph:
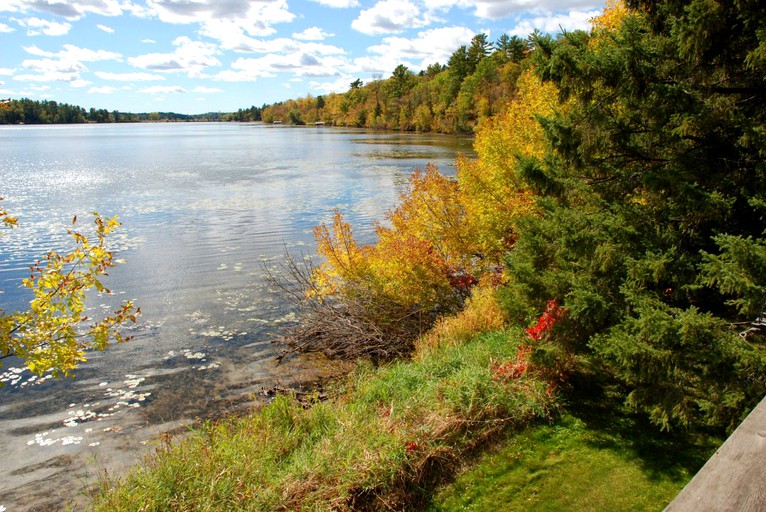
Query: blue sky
[{"x": 196, "y": 56}]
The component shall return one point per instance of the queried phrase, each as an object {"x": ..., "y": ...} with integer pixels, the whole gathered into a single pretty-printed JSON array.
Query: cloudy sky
[{"x": 196, "y": 56}]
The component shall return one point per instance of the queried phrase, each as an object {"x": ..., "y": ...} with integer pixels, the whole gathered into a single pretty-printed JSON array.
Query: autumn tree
[
  {"x": 54, "y": 334},
  {"x": 445, "y": 237},
  {"x": 495, "y": 195}
]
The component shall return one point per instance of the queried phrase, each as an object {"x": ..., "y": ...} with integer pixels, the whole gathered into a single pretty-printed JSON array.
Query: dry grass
[{"x": 481, "y": 314}]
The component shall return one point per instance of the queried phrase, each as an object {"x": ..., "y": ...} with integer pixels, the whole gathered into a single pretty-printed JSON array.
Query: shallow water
[{"x": 206, "y": 208}]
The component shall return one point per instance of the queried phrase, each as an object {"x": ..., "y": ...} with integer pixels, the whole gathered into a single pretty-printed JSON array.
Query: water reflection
[{"x": 205, "y": 208}]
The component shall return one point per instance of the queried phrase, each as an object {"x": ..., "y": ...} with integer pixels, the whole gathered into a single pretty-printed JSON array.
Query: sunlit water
[{"x": 206, "y": 208}]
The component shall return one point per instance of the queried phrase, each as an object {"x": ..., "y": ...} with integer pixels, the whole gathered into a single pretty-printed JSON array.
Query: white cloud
[
  {"x": 287, "y": 46},
  {"x": 37, "y": 26},
  {"x": 71, "y": 52},
  {"x": 207, "y": 90},
  {"x": 338, "y": 4},
  {"x": 312, "y": 34},
  {"x": 6, "y": 29},
  {"x": 284, "y": 55},
  {"x": 108, "y": 30},
  {"x": 102, "y": 90},
  {"x": 300, "y": 64},
  {"x": 190, "y": 57},
  {"x": 63, "y": 66},
  {"x": 54, "y": 65},
  {"x": 446, "y": 5},
  {"x": 148, "y": 41},
  {"x": 225, "y": 20},
  {"x": 49, "y": 76},
  {"x": 496, "y": 9},
  {"x": 389, "y": 17},
  {"x": 79, "y": 82},
  {"x": 38, "y": 52},
  {"x": 69, "y": 10},
  {"x": 430, "y": 46},
  {"x": 554, "y": 23},
  {"x": 242, "y": 75},
  {"x": 128, "y": 77},
  {"x": 7, "y": 71},
  {"x": 341, "y": 84},
  {"x": 164, "y": 89}
]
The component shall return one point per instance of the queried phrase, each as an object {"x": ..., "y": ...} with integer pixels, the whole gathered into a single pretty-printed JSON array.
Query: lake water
[{"x": 206, "y": 208}]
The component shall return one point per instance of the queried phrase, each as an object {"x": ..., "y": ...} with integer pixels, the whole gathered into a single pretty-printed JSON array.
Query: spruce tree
[{"x": 651, "y": 220}]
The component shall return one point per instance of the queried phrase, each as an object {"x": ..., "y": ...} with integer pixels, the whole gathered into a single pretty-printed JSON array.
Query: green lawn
[{"x": 598, "y": 461}]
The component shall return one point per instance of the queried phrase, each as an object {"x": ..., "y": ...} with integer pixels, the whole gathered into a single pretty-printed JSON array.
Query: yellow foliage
[
  {"x": 493, "y": 195},
  {"x": 52, "y": 334},
  {"x": 607, "y": 22},
  {"x": 345, "y": 261},
  {"x": 614, "y": 12},
  {"x": 400, "y": 268},
  {"x": 408, "y": 270},
  {"x": 515, "y": 132},
  {"x": 6, "y": 219},
  {"x": 432, "y": 210}
]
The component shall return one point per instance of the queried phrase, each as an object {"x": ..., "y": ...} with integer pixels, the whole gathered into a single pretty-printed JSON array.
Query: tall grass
[{"x": 389, "y": 435}]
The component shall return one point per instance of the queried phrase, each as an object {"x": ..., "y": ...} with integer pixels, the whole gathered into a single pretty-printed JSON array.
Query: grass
[
  {"x": 597, "y": 461},
  {"x": 390, "y": 435}
]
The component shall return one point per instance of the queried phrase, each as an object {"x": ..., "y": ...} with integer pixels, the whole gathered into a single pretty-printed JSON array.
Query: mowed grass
[{"x": 597, "y": 461}]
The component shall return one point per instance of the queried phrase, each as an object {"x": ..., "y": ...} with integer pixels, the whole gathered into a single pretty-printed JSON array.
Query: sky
[{"x": 198, "y": 56}]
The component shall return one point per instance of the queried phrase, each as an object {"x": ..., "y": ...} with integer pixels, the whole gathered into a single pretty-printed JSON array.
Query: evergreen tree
[
  {"x": 513, "y": 48},
  {"x": 479, "y": 49},
  {"x": 652, "y": 207},
  {"x": 459, "y": 67}
]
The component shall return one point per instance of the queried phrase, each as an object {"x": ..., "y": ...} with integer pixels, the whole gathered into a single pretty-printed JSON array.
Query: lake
[{"x": 206, "y": 209}]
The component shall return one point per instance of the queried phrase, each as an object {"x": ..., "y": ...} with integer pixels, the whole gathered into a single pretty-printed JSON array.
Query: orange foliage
[{"x": 446, "y": 235}]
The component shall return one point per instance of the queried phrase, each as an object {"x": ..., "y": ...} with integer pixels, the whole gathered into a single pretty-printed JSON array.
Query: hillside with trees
[{"x": 475, "y": 84}]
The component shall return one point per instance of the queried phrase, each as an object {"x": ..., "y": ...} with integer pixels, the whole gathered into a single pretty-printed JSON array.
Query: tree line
[
  {"x": 475, "y": 83},
  {"x": 27, "y": 111}
]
